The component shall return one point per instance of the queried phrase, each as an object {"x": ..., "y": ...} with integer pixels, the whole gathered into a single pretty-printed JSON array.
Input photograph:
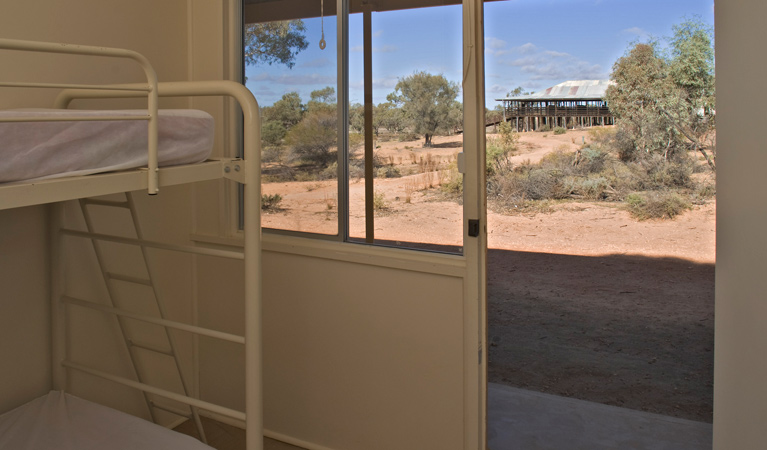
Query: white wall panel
[
  {"x": 356, "y": 355},
  {"x": 740, "y": 369},
  {"x": 24, "y": 310}
]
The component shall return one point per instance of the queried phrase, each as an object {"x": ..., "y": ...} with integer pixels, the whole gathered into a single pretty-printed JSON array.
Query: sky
[{"x": 534, "y": 44}]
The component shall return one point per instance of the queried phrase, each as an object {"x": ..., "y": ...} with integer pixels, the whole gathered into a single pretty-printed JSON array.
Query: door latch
[{"x": 473, "y": 227}]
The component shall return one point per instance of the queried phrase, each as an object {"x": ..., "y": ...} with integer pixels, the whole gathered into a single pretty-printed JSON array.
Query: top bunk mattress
[
  {"x": 32, "y": 151},
  {"x": 64, "y": 422}
]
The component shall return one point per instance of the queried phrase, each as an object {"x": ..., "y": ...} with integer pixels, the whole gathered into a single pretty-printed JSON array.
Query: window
[{"x": 395, "y": 180}]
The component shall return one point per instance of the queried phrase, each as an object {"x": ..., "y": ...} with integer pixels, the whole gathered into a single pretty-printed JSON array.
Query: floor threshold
[{"x": 529, "y": 420}]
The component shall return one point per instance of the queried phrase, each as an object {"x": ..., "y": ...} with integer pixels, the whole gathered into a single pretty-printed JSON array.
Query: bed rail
[
  {"x": 148, "y": 89},
  {"x": 250, "y": 177}
]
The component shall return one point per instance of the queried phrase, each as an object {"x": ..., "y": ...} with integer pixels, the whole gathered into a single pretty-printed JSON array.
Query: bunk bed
[{"x": 151, "y": 171}]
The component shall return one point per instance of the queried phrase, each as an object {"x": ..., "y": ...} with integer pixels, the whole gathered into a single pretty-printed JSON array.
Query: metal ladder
[{"x": 133, "y": 346}]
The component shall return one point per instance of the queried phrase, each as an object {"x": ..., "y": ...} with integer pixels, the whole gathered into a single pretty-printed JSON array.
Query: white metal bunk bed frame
[{"x": 245, "y": 171}]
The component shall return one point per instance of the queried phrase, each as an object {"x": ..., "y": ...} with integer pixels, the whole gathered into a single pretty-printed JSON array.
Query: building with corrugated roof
[{"x": 569, "y": 104}]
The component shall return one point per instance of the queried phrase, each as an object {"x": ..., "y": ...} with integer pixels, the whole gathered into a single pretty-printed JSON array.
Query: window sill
[{"x": 395, "y": 258}]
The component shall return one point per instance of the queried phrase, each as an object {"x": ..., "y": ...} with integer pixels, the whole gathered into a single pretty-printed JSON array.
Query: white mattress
[
  {"x": 63, "y": 422},
  {"x": 39, "y": 150}
]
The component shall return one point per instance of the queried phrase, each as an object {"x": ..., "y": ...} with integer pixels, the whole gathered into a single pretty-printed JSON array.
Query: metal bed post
[
  {"x": 253, "y": 309},
  {"x": 251, "y": 178},
  {"x": 150, "y": 89},
  {"x": 58, "y": 310}
]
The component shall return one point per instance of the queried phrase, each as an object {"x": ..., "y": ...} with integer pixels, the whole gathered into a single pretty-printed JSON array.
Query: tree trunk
[{"x": 427, "y": 142}]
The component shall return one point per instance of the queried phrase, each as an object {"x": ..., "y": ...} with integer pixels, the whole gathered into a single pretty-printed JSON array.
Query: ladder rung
[
  {"x": 149, "y": 347},
  {"x": 172, "y": 410},
  {"x": 127, "y": 279},
  {"x": 93, "y": 201},
  {"x": 154, "y": 320}
]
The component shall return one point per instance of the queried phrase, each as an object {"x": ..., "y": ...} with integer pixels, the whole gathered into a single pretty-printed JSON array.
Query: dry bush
[
  {"x": 388, "y": 172},
  {"x": 330, "y": 202},
  {"x": 601, "y": 137},
  {"x": 451, "y": 181},
  {"x": 656, "y": 205},
  {"x": 379, "y": 202},
  {"x": 270, "y": 202},
  {"x": 428, "y": 163},
  {"x": 410, "y": 187}
]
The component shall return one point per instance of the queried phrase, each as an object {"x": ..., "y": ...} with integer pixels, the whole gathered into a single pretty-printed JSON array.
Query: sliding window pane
[
  {"x": 410, "y": 195},
  {"x": 295, "y": 80}
]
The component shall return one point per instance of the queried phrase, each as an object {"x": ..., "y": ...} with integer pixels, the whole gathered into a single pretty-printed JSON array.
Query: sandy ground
[{"x": 583, "y": 301}]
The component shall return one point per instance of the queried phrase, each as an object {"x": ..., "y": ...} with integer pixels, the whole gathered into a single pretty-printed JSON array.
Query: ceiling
[{"x": 255, "y": 11}]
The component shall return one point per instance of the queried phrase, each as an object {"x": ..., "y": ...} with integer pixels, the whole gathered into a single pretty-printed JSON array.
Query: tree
[
  {"x": 640, "y": 83},
  {"x": 692, "y": 62},
  {"x": 660, "y": 102},
  {"x": 427, "y": 102},
  {"x": 312, "y": 139},
  {"x": 324, "y": 99},
  {"x": 516, "y": 92},
  {"x": 389, "y": 116},
  {"x": 272, "y": 132},
  {"x": 692, "y": 68},
  {"x": 357, "y": 117},
  {"x": 288, "y": 110},
  {"x": 274, "y": 42}
]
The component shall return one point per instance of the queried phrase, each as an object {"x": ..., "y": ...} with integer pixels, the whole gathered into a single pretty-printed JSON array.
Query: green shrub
[
  {"x": 270, "y": 202},
  {"x": 601, "y": 136},
  {"x": 273, "y": 132},
  {"x": 544, "y": 128},
  {"x": 495, "y": 153},
  {"x": 379, "y": 202},
  {"x": 508, "y": 137},
  {"x": 560, "y": 130},
  {"x": 409, "y": 136},
  {"x": 452, "y": 181},
  {"x": 591, "y": 161},
  {"x": 558, "y": 160},
  {"x": 589, "y": 187}
]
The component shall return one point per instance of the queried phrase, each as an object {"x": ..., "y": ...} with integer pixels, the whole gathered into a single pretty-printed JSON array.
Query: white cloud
[
  {"x": 294, "y": 80},
  {"x": 386, "y": 84},
  {"x": 543, "y": 64},
  {"x": 495, "y": 46},
  {"x": 497, "y": 89},
  {"x": 319, "y": 62},
  {"x": 556, "y": 54},
  {"x": 494, "y": 43},
  {"x": 384, "y": 49},
  {"x": 526, "y": 49},
  {"x": 635, "y": 30}
]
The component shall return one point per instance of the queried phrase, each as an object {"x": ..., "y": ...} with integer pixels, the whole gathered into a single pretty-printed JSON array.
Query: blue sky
[{"x": 530, "y": 43}]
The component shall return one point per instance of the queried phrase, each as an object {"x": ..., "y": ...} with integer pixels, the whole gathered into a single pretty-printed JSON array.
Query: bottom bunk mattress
[
  {"x": 41, "y": 150},
  {"x": 61, "y": 421}
]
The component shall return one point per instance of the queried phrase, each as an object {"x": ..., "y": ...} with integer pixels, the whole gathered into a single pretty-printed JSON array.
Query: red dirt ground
[{"x": 584, "y": 301}]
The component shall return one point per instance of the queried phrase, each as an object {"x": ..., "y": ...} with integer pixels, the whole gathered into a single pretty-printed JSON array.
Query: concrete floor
[{"x": 528, "y": 420}]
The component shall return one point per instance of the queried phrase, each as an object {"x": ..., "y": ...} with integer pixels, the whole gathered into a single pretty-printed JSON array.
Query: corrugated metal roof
[{"x": 569, "y": 90}]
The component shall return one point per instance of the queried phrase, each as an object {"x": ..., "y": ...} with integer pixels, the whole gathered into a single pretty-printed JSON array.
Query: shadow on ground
[{"x": 624, "y": 330}]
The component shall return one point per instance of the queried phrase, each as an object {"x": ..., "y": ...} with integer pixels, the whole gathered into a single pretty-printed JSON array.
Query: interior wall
[
  {"x": 740, "y": 369},
  {"x": 356, "y": 355},
  {"x": 24, "y": 311},
  {"x": 157, "y": 29}
]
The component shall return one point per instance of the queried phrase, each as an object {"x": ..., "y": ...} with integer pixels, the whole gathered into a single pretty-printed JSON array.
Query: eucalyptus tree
[{"x": 428, "y": 103}]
